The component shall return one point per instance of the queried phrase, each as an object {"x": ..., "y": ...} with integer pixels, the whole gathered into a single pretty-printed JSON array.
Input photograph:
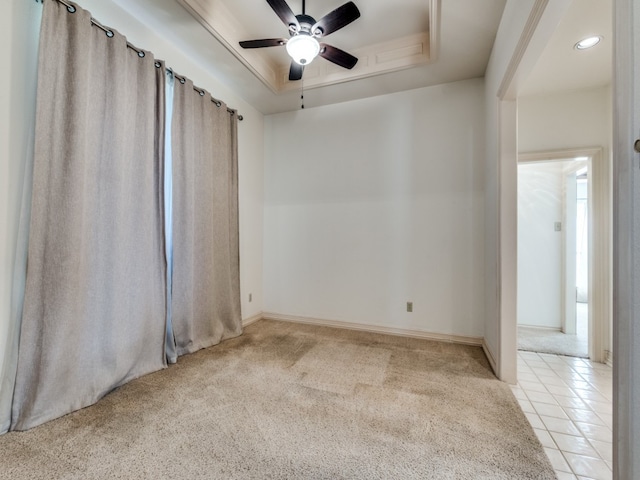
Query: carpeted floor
[
  {"x": 541, "y": 340},
  {"x": 288, "y": 401}
]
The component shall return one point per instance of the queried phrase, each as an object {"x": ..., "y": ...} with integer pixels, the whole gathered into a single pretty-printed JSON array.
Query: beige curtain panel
[
  {"x": 94, "y": 309},
  {"x": 206, "y": 274}
]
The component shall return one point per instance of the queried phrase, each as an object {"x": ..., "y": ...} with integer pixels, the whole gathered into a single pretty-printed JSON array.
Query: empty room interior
[{"x": 234, "y": 248}]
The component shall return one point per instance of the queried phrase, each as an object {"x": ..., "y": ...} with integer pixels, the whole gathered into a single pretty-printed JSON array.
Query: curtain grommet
[
  {"x": 158, "y": 64},
  {"x": 71, "y": 9},
  {"x": 182, "y": 81},
  {"x": 141, "y": 54},
  {"x": 109, "y": 33},
  {"x": 201, "y": 93}
]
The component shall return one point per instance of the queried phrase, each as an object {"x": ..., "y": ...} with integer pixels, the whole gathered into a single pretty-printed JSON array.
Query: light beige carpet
[{"x": 287, "y": 401}]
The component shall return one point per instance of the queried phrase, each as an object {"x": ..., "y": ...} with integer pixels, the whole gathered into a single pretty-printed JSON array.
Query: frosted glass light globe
[{"x": 303, "y": 48}]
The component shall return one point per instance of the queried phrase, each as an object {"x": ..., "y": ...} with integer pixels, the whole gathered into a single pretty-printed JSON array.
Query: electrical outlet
[
  {"x": 409, "y": 307},
  {"x": 250, "y": 297}
]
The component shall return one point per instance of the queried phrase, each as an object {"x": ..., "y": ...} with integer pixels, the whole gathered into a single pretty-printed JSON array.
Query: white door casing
[{"x": 626, "y": 241}]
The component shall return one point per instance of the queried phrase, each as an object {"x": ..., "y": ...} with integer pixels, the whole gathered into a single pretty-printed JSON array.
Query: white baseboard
[
  {"x": 402, "y": 332},
  {"x": 609, "y": 358},
  {"x": 540, "y": 327},
  {"x": 492, "y": 359},
  {"x": 248, "y": 321}
]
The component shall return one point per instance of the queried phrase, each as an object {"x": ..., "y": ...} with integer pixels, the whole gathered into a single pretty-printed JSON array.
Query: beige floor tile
[
  {"x": 607, "y": 418},
  {"x": 604, "y": 449},
  {"x": 535, "y": 421},
  {"x": 590, "y": 394},
  {"x": 585, "y": 416},
  {"x": 541, "y": 397},
  {"x": 595, "y": 432},
  {"x": 561, "y": 390},
  {"x": 550, "y": 410},
  {"x": 519, "y": 393},
  {"x": 560, "y": 426},
  {"x": 576, "y": 384},
  {"x": 599, "y": 407},
  {"x": 552, "y": 381},
  {"x": 574, "y": 444},
  {"x": 526, "y": 406},
  {"x": 527, "y": 377},
  {"x": 587, "y": 466},
  {"x": 557, "y": 460},
  {"x": 570, "y": 402},
  {"x": 543, "y": 371},
  {"x": 545, "y": 438},
  {"x": 565, "y": 475},
  {"x": 533, "y": 386}
]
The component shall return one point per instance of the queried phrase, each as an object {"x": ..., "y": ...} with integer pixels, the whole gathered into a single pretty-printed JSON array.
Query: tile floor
[{"x": 568, "y": 402}]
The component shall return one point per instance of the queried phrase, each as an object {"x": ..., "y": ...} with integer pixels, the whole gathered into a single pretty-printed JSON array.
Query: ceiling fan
[{"x": 303, "y": 45}]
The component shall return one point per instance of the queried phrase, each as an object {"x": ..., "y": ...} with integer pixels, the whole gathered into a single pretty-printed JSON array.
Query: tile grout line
[{"x": 592, "y": 397}]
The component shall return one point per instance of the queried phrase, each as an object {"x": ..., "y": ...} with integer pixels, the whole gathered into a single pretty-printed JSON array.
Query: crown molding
[{"x": 398, "y": 54}]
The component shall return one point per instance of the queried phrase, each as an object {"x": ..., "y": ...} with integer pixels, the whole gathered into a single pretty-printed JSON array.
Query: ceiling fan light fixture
[
  {"x": 303, "y": 48},
  {"x": 588, "y": 42}
]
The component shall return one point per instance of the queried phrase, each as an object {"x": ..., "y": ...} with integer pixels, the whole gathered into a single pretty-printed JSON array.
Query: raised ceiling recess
[{"x": 406, "y": 44}]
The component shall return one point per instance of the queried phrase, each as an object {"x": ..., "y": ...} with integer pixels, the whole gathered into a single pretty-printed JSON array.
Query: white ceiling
[
  {"x": 466, "y": 33},
  {"x": 562, "y": 67}
]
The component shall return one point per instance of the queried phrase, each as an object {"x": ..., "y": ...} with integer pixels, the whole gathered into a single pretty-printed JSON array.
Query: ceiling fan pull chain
[{"x": 302, "y": 94}]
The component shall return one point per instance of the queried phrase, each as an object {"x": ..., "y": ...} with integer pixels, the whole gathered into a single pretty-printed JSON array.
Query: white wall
[
  {"x": 19, "y": 24},
  {"x": 376, "y": 202},
  {"x": 18, "y": 47},
  {"x": 539, "y": 245},
  {"x": 513, "y": 21},
  {"x": 565, "y": 120}
]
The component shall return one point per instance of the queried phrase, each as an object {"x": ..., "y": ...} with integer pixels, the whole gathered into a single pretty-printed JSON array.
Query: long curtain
[
  {"x": 94, "y": 309},
  {"x": 205, "y": 298}
]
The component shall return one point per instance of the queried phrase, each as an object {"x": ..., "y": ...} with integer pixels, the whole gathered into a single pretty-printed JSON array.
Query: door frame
[
  {"x": 626, "y": 263},
  {"x": 600, "y": 235}
]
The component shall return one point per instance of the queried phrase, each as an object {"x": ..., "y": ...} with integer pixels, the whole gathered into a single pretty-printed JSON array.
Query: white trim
[
  {"x": 600, "y": 256},
  {"x": 400, "y": 332},
  {"x": 543, "y": 19},
  {"x": 508, "y": 81},
  {"x": 489, "y": 354},
  {"x": 626, "y": 243},
  {"x": 387, "y": 57},
  {"x": 540, "y": 327},
  {"x": 218, "y": 20},
  {"x": 248, "y": 321}
]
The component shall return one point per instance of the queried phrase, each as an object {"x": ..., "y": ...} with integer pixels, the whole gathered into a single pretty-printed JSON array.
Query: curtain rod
[
  {"x": 201, "y": 92},
  {"x": 141, "y": 54}
]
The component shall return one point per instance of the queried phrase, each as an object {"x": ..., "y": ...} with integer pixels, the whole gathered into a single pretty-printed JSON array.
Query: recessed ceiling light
[{"x": 588, "y": 42}]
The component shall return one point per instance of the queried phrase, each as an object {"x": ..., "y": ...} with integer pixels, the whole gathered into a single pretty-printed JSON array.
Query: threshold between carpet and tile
[{"x": 296, "y": 401}]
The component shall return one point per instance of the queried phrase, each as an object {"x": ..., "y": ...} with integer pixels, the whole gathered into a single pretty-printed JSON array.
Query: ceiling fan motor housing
[{"x": 306, "y": 23}]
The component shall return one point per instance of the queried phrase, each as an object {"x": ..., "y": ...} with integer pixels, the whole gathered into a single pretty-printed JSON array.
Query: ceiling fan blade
[
  {"x": 285, "y": 13},
  {"x": 337, "y": 19},
  {"x": 295, "y": 72},
  {"x": 337, "y": 56},
  {"x": 265, "y": 42}
]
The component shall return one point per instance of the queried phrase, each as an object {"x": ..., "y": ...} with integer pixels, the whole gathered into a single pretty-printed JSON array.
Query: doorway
[
  {"x": 553, "y": 256},
  {"x": 595, "y": 251}
]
